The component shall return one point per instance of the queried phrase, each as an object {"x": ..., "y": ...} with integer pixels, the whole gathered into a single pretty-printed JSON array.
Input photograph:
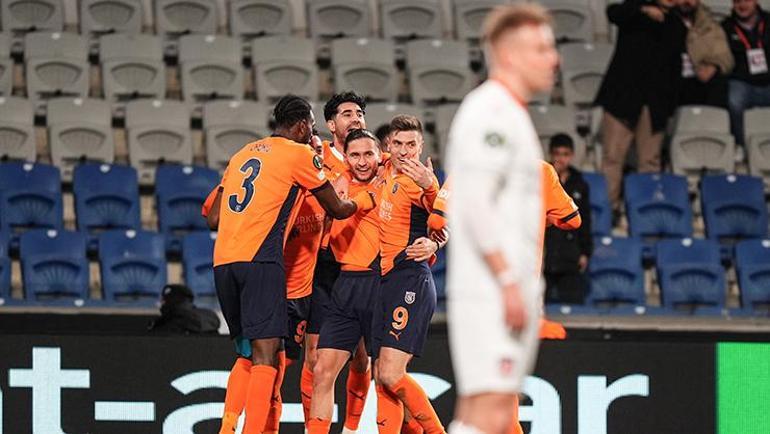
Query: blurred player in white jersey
[{"x": 494, "y": 286}]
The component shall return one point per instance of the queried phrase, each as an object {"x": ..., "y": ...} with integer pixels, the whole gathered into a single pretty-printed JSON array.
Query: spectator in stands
[
  {"x": 706, "y": 59},
  {"x": 749, "y": 83},
  {"x": 639, "y": 90},
  {"x": 178, "y": 314},
  {"x": 567, "y": 252}
]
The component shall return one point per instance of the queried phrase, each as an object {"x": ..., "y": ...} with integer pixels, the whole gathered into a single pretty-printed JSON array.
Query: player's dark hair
[
  {"x": 289, "y": 110},
  {"x": 382, "y": 132},
  {"x": 330, "y": 109},
  {"x": 405, "y": 123},
  {"x": 561, "y": 140},
  {"x": 360, "y": 133}
]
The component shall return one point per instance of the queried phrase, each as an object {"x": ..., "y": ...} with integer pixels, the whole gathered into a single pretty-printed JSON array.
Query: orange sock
[
  {"x": 390, "y": 412},
  {"x": 358, "y": 388},
  {"x": 411, "y": 426},
  {"x": 276, "y": 405},
  {"x": 318, "y": 426},
  {"x": 258, "y": 398},
  {"x": 306, "y": 390},
  {"x": 235, "y": 397},
  {"x": 415, "y": 399}
]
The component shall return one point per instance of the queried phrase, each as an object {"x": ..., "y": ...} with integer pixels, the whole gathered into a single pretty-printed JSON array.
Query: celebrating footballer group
[{"x": 324, "y": 251}]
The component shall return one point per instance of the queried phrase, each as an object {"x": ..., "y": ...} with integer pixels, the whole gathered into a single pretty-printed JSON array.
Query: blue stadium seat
[
  {"x": 691, "y": 275},
  {"x": 601, "y": 211},
  {"x": 180, "y": 192},
  {"x": 658, "y": 205},
  {"x": 133, "y": 265},
  {"x": 733, "y": 206},
  {"x": 54, "y": 266},
  {"x": 198, "y": 262},
  {"x": 752, "y": 264},
  {"x": 5, "y": 268},
  {"x": 106, "y": 197},
  {"x": 616, "y": 273},
  {"x": 30, "y": 196}
]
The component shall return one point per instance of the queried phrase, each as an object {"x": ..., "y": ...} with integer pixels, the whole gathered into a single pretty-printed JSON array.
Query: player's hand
[
  {"x": 421, "y": 174},
  {"x": 341, "y": 186},
  {"x": 441, "y": 237},
  {"x": 654, "y": 13},
  {"x": 515, "y": 313},
  {"x": 422, "y": 249}
]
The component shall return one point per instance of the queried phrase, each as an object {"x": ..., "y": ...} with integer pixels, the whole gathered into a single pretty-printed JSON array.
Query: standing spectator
[
  {"x": 749, "y": 84},
  {"x": 567, "y": 252},
  {"x": 178, "y": 314},
  {"x": 706, "y": 60},
  {"x": 639, "y": 90}
]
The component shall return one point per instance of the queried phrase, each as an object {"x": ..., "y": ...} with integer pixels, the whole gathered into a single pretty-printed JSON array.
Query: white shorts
[{"x": 487, "y": 357}]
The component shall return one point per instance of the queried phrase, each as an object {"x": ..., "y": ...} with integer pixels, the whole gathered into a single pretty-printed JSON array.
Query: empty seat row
[{"x": 132, "y": 264}]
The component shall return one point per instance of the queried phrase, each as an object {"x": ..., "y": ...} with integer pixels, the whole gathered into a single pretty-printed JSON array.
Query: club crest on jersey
[
  {"x": 318, "y": 162},
  {"x": 409, "y": 297},
  {"x": 494, "y": 140},
  {"x": 395, "y": 188}
]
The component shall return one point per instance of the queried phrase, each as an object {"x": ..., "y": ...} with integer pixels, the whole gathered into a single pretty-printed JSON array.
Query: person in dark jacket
[
  {"x": 567, "y": 252},
  {"x": 639, "y": 92},
  {"x": 178, "y": 314},
  {"x": 749, "y": 83}
]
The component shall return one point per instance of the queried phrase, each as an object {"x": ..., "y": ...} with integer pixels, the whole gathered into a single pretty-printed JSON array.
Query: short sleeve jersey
[
  {"x": 302, "y": 247},
  {"x": 355, "y": 241},
  {"x": 560, "y": 209},
  {"x": 404, "y": 210},
  {"x": 260, "y": 188}
]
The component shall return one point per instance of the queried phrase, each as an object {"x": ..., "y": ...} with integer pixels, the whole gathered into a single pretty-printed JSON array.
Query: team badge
[
  {"x": 318, "y": 162},
  {"x": 494, "y": 140},
  {"x": 395, "y": 188},
  {"x": 409, "y": 297}
]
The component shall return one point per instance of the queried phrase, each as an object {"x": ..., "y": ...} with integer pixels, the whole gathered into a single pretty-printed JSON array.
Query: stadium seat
[
  {"x": 469, "y": 15},
  {"x": 550, "y": 120},
  {"x": 180, "y": 192},
  {"x": 6, "y": 66},
  {"x": 691, "y": 275},
  {"x": 572, "y": 19},
  {"x": 752, "y": 265},
  {"x": 318, "y": 113},
  {"x": 56, "y": 64},
  {"x": 601, "y": 211},
  {"x": 30, "y": 196},
  {"x": 616, "y": 273},
  {"x": 158, "y": 132},
  {"x": 133, "y": 265},
  {"x": 338, "y": 18},
  {"x": 734, "y": 207},
  {"x": 98, "y": 17},
  {"x": 406, "y": 19},
  {"x": 106, "y": 197},
  {"x": 366, "y": 65},
  {"x": 17, "y": 129},
  {"x": 657, "y": 205},
  {"x": 79, "y": 130},
  {"x": 197, "y": 260},
  {"x": 445, "y": 113},
  {"x": 22, "y": 16},
  {"x": 284, "y": 64},
  {"x": 756, "y": 124},
  {"x": 379, "y": 114},
  {"x": 175, "y": 18},
  {"x": 582, "y": 69},
  {"x": 250, "y": 19},
  {"x": 438, "y": 70},
  {"x": 229, "y": 125},
  {"x": 210, "y": 67},
  {"x": 701, "y": 142},
  {"x": 132, "y": 67},
  {"x": 54, "y": 266},
  {"x": 5, "y": 268}
]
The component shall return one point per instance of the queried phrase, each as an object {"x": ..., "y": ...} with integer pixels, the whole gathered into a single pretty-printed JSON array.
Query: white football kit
[{"x": 493, "y": 158}]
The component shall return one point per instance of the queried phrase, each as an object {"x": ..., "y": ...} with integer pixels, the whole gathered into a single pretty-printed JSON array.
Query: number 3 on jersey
[{"x": 251, "y": 170}]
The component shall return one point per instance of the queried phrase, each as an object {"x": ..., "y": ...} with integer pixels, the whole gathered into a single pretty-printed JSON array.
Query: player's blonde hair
[{"x": 503, "y": 19}]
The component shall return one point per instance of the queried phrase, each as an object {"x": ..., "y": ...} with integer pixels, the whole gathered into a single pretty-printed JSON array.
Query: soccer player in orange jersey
[
  {"x": 259, "y": 192},
  {"x": 407, "y": 292},
  {"x": 343, "y": 113},
  {"x": 355, "y": 243}
]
